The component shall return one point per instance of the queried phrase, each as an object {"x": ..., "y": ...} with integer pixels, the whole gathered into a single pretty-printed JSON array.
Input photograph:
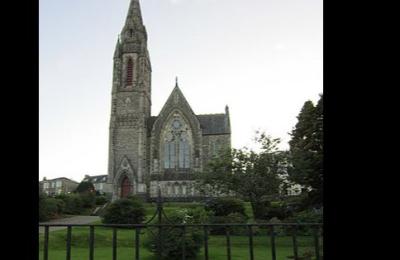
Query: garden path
[{"x": 70, "y": 220}]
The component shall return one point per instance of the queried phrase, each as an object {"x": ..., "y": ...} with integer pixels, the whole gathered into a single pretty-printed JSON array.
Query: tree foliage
[
  {"x": 85, "y": 187},
  {"x": 255, "y": 176},
  {"x": 306, "y": 151}
]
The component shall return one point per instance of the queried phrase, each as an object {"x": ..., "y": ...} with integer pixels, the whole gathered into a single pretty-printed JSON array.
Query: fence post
[
  {"x": 114, "y": 244},
  {"x": 251, "y": 242},
  {"x": 91, "y": 243},
  {"x": 46, "y": 243},
  {"x": 295, "y": 251},
  {"x": 273, "y": 249},
  {"x": 69, "y": 234},
  {"x": 137, "y": 245},
  {"x": 205, "y": 242},
  {"x": 228, "y": 243},
  {"x": 184, "y": 243}
]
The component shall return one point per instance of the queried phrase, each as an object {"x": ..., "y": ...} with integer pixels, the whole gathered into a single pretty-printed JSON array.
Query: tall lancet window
[
  {"x": 177, "y": 145},
  {"x": 184, "y": 158},
  {"x": 129, "y": 72},
  {"x": 169, "y": 154}
]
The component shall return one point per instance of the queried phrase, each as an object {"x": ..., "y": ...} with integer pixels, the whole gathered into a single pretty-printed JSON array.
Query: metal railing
[
  {"x": 206, "y": 228},
  {"x": 160, "y": 227}
]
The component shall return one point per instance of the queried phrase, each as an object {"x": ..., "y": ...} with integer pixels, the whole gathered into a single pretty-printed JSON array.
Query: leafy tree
[
  {"x": 255, "y": 176},
  {"x": 85, "y": 187},
  {"x": 225, "y": 206},
  {"x": 306, "y": 152}
]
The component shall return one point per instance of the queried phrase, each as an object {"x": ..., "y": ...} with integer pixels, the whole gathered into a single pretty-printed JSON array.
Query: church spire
[
  {"x": 134, "y": 13},
  {"x": 134, "y": 30}
]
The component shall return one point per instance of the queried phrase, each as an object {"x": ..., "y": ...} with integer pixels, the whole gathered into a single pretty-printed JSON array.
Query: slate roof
[
  {"x": 59, "y": 178},
  {"x": 96, "y": 179},
  {"x": 211, "y": 124},
  {"x": 214, "y": 124}
]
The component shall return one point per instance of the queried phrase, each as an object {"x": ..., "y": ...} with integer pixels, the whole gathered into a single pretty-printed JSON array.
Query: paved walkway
[{"x": 70, "y": 220}]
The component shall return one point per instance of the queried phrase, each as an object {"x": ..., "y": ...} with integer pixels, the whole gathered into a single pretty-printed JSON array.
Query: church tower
[{"x": 130, "y": 108}]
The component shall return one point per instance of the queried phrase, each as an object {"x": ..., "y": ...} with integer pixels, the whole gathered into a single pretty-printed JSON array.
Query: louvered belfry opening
[{"x": 129, "y": 72}]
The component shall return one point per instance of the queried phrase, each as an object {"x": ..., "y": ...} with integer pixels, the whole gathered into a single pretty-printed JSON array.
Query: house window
[
  {"x": 58, "y": 184},
  {"x": 46, "y": 185}
]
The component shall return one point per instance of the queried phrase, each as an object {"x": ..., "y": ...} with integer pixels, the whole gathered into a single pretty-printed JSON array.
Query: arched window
[
  {"x": 129, "y": 72},
  {"x": 177, "y": 146},
  {"x": 169, "y": 154},
  {"x": 184, "y": 158}
]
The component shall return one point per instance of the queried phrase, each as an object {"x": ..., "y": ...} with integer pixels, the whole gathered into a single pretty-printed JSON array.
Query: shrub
[
  {"x": 101, "y": 200},
  {"x": 173, "y": 238},
  {"x": 43, "y": 213},
  {"x": 306, "y": 216},
  {"x": 51, "y": 204},
  {"x": 225, "y": 206},
  {"x": 88, "y": 199},
  {"x": 231, "y": 218},
  {"x": 73, "y": 204},
  {"x": 124, "y": 211}
]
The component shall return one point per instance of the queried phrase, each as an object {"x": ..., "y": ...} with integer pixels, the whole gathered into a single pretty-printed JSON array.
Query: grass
[{"x": 126, "y": 242}]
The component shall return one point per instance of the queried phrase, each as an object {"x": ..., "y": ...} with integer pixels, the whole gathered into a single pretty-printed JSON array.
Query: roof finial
[{"x": 176, "y": 81}]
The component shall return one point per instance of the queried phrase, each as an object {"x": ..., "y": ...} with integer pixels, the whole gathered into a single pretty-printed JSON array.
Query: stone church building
[{"x": 145, "y": 151}]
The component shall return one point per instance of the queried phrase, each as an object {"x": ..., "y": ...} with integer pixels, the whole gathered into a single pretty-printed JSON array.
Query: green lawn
[{"x": 126, "y": 242}]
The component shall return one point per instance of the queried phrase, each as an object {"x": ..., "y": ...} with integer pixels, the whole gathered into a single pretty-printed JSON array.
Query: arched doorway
[{"x": 125, "y": 187}]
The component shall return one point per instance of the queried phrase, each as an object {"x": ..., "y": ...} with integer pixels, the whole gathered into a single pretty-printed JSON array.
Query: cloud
[
  {"x": 174, "y": 2},
  {"x": 279, "y": 46}
]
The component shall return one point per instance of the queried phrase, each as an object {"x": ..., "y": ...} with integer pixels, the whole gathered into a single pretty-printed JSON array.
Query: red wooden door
[{"x": 125, "y": 187}]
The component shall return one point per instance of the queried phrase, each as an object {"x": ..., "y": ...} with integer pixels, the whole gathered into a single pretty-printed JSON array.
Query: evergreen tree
[{"x": 306, "y": 152}]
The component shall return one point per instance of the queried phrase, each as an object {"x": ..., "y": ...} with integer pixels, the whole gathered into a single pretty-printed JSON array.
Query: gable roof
[{"x": 210, "y": 124}]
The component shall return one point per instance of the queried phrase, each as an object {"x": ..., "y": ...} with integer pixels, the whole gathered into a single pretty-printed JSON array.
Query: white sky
[{"x": 263, "y": 58}]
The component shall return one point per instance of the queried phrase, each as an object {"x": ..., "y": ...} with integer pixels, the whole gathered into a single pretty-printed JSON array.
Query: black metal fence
[
  {"x": 291, "y": 229},
  {"x": 316, "y": 227}
]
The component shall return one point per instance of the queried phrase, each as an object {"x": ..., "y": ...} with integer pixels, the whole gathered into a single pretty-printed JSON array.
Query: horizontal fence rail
[{"x": 137, "y": 228}]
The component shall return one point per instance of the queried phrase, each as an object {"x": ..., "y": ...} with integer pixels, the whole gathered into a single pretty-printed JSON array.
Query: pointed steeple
[
  {"x": 134, "y": 13},
  {"x": 134, "y": 30}
]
